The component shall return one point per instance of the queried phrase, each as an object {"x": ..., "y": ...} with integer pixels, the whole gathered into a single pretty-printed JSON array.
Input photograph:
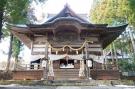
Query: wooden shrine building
[{"x": 67, "y": 47}]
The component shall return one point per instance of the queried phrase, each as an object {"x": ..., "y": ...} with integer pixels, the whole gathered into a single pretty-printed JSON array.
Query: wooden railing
[
  {"x": 39, "y": 67},
  {"x": 111, "y": 67},
  {"x": 28, "y": 67},
  {"x": 105, "y": 66}
]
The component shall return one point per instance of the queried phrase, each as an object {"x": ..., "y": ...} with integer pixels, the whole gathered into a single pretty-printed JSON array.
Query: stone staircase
[{"x": 66, "y": 74}]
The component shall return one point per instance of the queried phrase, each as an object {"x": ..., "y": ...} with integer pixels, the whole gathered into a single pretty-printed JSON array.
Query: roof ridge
[{"x": 67, "y": 12}]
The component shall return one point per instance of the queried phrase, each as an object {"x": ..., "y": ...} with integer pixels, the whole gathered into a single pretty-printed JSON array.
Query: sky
[
  {"x": 51, "y": 6},
  {"x": 79, "y": 6},
  {"x": 55, "y": 6}
]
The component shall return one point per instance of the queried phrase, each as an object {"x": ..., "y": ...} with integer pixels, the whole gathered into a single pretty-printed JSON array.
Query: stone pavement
[{"x": 65, "y": 87}]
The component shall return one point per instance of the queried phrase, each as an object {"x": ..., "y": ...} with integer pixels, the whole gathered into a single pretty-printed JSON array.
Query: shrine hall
[{"x": 67, "y": 47}]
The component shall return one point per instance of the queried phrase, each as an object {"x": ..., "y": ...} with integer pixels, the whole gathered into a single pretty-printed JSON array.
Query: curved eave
[
  {"x": 112, "y": 34},
  {"x": 21, "y": 33},
  {"x": 19, "y": 29},
  {"x": 118, "y": 27}
]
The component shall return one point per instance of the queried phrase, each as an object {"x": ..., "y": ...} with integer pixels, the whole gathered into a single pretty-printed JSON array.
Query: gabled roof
[
  {"x": 64, "y": 19},
  {"x": 67, "y": 13},
  {"x": 82, "y": 15}
]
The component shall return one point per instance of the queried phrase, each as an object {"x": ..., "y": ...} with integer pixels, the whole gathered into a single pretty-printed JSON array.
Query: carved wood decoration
[{"x": 66, "y": 35}]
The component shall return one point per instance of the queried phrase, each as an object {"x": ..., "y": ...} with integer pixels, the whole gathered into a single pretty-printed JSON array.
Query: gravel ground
[{"x": 65, "y": 87}]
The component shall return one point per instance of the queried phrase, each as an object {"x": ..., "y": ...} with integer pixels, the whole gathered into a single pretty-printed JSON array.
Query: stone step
[
  {"x": 67, "y": 79},
  {"x": 66, "y": 74},
  {"x": 66, "y": 70},
  {"x": 72, "y": 81}
]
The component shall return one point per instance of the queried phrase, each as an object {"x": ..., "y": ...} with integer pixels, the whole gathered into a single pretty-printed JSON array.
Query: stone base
[
  {"x": 50, "y": 77},
  {"x": 82, "y": 77},
  {"x": 90, "y": 78}
]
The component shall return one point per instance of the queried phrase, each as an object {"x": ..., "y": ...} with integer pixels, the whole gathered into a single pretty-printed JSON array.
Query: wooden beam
[
  {"x": 86, "y": 51},
  {"x": 95, "y": 49},
  {"x": 23, "y": 38}
]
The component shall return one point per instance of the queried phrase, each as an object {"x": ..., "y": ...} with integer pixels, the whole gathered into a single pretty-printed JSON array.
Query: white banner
[
  {"x": 99, "y": 59},
  {"x": 58, "y": 57}
]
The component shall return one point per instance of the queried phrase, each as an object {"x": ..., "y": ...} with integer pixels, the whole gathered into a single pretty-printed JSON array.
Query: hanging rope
[{"x": 75, "y": 49}]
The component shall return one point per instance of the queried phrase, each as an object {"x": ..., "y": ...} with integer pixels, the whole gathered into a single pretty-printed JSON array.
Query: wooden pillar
[
  {"x": 50, "y": 66},
  {"x": 45, "y": 69},
  {"x": 103, "y": 64},
  {"x": 50, "y": 70},
  {"x": 86, "y": 51},
  {"x": 46, "y": 50},
  {"x": 44, "y": 65},
  {"x": 105, "y": 60},
  {"x": 115, "y": 54},
  {"x": 87, "y": 57},
  {"x": 81, "y": 71},
  {"x": 112, "y": 54},
  {"x": 32, "y": 43}
]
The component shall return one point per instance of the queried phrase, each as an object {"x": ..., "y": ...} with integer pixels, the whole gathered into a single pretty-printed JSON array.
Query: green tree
[
  {"x": 117, "y": 12},
  {"x": 2, "y": 9},
  {"x": 15, "y": 13},
  {"x": 109, "y": 11}
]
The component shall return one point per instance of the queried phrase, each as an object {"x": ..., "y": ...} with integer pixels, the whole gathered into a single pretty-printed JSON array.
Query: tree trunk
[
  {"x": 18, "y": 52},
  {"x": 1, "y": 23},
  {"x": 121, "y": 48},
  {"x": 131, "y": 37},
  {"x": 9, "y": 53},
  {"x": 115, "y": 55},
  {"x": 16, "y": 56}
]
